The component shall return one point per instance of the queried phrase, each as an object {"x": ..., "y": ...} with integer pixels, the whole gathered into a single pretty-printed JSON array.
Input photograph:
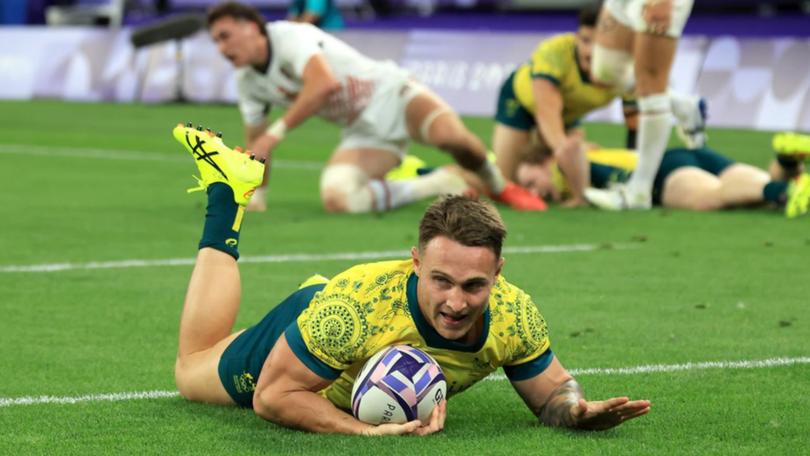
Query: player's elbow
[{"x": 266, "y": 404}]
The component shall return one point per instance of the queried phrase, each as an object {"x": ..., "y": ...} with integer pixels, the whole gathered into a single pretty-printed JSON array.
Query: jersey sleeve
[
  {"x": 330, "y": 335},
  {"x": 530, "y": 352},
  {"x": 549, "y": 61},
  {"x": 253, "y": 111},
  {"x": 299, "y": 44}
]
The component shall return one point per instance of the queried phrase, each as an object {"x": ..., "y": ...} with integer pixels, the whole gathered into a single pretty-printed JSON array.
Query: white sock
[
  {"x": 392, "y": 194},
  {"x": 653, "y": 135},
  {"x": 492, "y": 177}
]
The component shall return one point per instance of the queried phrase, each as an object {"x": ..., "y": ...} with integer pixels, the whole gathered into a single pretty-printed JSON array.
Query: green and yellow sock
[{"x": 223, "y": 220}]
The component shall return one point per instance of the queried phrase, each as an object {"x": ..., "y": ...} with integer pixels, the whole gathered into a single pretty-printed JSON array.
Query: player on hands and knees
[
  {"x": 379, "y": 107},
  {"x": 541, "y": 104},
  {"x": 643, "y": 33},
  {"x": 297, "y": 365}
]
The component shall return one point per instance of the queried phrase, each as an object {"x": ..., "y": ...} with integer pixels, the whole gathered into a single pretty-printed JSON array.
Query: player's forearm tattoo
[{"x": 557, "y": 411}]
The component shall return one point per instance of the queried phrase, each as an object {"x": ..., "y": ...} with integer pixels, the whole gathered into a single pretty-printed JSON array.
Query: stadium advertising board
[{"x": 750, "y": 83}]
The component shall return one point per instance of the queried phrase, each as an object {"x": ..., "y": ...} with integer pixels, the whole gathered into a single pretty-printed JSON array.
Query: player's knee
[
  {"x": 344, "y": 189},
  {"x": 183, "y": 379},
  {"x": 613, "y": 67}
]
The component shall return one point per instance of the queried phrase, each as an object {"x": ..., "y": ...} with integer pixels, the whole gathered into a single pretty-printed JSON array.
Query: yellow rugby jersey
[
  {"x": 555, "y": 60},
  {"x": 372, "y": 306}
]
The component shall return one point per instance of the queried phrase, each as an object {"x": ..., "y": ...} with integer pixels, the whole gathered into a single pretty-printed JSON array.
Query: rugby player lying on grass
[
  {"x": 541, "y": 105},
  {"x": 699, "y": 179},
  {"x": 296, "y": 366},
  {"x": 693, "y": 179}
]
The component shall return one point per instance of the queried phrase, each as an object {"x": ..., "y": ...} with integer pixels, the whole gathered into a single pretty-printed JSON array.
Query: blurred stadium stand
[
  {"x": 493, "y": 14},
  {"x": 750, "y": 59}
]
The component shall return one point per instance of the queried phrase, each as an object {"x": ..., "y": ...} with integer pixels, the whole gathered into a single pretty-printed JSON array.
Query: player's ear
[
  {"x": 501, "y": 261},
  {"x": 415, "y": 257}
]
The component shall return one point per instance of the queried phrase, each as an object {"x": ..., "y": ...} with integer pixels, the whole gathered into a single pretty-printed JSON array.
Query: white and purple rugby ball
[{"x": 397, "y": 385}]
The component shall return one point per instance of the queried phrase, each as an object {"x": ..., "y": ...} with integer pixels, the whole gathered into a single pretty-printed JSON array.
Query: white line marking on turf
[
  {"x": 659, "y": 368},
  {"x": 644, "y": 369},
  {"x": 294, "y": 258},
  {"x": 110, "y": 397},
  {"x": 132, "y": 155}
]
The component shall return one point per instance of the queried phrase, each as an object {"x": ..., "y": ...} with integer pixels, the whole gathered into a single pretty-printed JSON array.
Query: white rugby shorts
[
  {"x": 382, "y": 123},
  {"x": 629, "y": 13}
]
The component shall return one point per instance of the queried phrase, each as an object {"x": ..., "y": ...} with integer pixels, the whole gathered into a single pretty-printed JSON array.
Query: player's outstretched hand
[
  {"x": 601, "y": 415},
  {"x": 414, "y": 427}
]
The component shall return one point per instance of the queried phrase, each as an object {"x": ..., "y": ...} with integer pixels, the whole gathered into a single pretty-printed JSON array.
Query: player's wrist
[{"x": 277, "y": 129}]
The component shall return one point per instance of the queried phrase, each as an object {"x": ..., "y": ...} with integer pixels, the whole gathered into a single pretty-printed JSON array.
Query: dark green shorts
[
  {"x": 705, "y": 159},
  {"x": 510, "y": 112},
  {"x": 242, "y": 361}
]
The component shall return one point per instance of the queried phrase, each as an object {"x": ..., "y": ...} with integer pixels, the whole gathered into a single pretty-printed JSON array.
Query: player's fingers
[
  {"x": 636, "y": 414},
  {"x": 632, "y": 406},
  {"x": 615, "y": 402},
  {"x": 442, "y": 413},
  {"x": 411, "y": 427}
]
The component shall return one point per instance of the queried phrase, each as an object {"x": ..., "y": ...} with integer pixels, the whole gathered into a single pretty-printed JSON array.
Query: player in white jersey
[
  {"x": 379, "y": 107},
  {"x": 635, "y": 46}
]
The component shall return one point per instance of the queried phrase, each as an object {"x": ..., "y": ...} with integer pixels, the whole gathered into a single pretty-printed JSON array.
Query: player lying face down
[{"x": 296, "y": 367}]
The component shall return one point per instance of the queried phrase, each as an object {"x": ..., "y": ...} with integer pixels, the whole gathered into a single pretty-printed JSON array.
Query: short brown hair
[
  {"x": 238, "y": 11},
  {"x": 589, "y": 14},
  {"x": 469, "y": 222}
]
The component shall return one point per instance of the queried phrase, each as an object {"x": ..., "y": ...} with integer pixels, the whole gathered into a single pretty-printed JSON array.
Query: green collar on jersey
[{"x": 433, "y": 338}]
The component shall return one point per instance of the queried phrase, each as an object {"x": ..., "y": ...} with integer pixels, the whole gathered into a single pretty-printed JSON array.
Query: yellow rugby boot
[
  {"x": 798, "y": 196},
  {"x": 219, "y": 163},
  {"x": 408, "y": 169},
  {"x": 792, "y": 144}
]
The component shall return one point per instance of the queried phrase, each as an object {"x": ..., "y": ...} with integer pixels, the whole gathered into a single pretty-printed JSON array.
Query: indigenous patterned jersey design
[{"x": 373, "y": 306}]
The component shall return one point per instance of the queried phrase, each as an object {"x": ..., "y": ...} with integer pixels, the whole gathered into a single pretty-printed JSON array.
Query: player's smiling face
[
  {"x": 238, "y": 41},
  {"x": 454, "y": 285}
]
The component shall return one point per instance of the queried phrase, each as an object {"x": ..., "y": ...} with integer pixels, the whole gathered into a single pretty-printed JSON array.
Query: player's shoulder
[
  {"x": 279, "y": 30},
  {"x": 366, "y": 277},
  {"x": 563, "y": 42},
  {"x": 516, "y": 319},
  {"x": 510, "y": 304}
]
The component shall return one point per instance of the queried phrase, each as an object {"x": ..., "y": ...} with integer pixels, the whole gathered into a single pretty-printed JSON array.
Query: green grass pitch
[{"x": 83, "y": 183}]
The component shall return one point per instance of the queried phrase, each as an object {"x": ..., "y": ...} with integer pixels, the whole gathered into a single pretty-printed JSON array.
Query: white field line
[
  {"x": 644, "y": 369},
  {"x": 130, "y": 155},
  {"x": 293, "y": 258}
]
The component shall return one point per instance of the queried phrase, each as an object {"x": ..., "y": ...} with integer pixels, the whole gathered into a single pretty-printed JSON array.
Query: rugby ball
[{"x": 396, "y": 385}]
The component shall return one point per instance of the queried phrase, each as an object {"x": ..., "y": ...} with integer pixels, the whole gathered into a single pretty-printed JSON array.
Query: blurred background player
[
  {"x": 642, "y": 34},
  {"x": 296, "y": 367},
  {"x": 379, "y": 107},
  {"x": 541, "y": 105},
  {"x": 692, "y": 179},
  {"x": 321, "y": 13}
]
